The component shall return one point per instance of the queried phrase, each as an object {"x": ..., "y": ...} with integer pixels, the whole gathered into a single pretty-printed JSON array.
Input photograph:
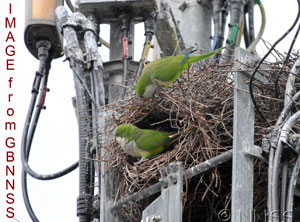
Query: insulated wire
[
  {"x": 291, "y": 190},
  {"x": 283, "y": 138},
  {"x": 70, "y": 5},
  {"x": 261, "y": 30},
  {"x": 284, "y": 181},
  {"x": 26, "y": 197},
  {"x": 285, "y": 62},
  {"x": 251, "y": 4},
  {"x": 241, "y": 30},
  {"x": 261, "y": 61},
  {"x": 284, "y": 113},
  {"x": 31, "y": 125},
  {"x": 246, "y": 33}
]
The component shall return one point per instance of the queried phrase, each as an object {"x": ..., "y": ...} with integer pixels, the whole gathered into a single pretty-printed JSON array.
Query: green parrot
[
  {"x": 143, "y": 143},
  {"x": 165, "y": 71}
]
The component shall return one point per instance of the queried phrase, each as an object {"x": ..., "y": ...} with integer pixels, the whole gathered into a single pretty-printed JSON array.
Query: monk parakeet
[
  {"x": 143, "y": 143},
  {"x": 165, "y": 71}
]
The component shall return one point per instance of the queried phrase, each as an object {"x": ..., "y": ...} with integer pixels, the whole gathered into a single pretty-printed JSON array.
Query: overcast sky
[{"x": 55, "y": 143}]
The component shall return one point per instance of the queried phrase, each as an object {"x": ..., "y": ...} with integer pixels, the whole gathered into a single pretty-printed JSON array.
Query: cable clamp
[
  {"x": 35, "y": 83},
  {"x": 88, "y": 204},
  {"x": 291, "y": 146},
  {"x": 43, "y": 98},
  {"x": 125, "y": 48}
]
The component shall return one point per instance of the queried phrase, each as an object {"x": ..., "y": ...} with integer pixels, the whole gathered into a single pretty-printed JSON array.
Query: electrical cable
[
  {"x": 45, "y": 60},
  {"x": 236, "y": 12},
  {"x": 251, "y": 20},
  {"x": 36, "y": 85},
  {"x": 125, "y": 27},
  {"x": 285, "y": 62},
  {"x": 149, "y": 26},
  {"x": 219, "y": 17},
  {"x": 261, "y": 30},
  {"x": 291, "y": 190},
  {"x": 261, "y": 61},
  {"x": 241, "y": 31},
  {"x": 270, "y": 173},
  {"x": 284, "y": 182},
  {"x": 283, "y": 115},
  {"x": 26, "y": 197},
  {"x": 43, "y": 47},
  {"x": 78, "y": 65},
  {"x": 246, "y": 33},
  {"x": 273, "y": 182},
  {"x": 70, "y": 5},
  {"x": 282, "y": 139}
]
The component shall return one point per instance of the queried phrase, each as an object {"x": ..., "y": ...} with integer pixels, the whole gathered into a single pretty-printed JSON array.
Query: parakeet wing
[
  {"x": 149, "y": 140},
  {"x": 167, "y": 69}
]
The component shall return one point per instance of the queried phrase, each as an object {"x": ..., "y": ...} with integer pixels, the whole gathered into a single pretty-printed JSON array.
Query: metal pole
[
  {"x": 109, "y": 183},
  {"x": 195, "y": 23},
  {"x": 243, "y": 143}
]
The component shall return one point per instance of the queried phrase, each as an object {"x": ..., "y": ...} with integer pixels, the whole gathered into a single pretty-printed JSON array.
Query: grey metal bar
[
  {"x": 243, "y": 143},
  {"x": 195, "y": 28},
  {"x": 209, "y": 164},
  {"x": 191, "y": 172}
]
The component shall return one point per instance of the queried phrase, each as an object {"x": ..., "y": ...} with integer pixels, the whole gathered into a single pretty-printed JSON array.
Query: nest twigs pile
[{"x": 199, "y": 107}]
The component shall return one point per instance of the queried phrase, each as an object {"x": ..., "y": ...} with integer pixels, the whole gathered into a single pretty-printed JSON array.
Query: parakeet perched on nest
[
  {"x": 165, "y": 71},
  {"x": 143, "y": 143}
]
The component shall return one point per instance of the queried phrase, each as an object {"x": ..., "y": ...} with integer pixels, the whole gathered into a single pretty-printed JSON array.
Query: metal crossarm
[{"x": 191, "y": 172}]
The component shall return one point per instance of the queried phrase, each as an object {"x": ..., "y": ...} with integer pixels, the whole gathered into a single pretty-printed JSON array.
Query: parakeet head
[{"x": 124, "y": 130}]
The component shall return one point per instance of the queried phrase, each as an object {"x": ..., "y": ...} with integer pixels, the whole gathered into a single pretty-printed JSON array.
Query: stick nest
[{"x": 198, "y": 106}]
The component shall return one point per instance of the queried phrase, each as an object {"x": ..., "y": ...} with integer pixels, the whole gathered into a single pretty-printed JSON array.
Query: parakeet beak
[{"x": 115, "y": 132}]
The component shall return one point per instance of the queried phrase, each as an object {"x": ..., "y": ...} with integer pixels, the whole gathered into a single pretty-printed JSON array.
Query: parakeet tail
[
  {"x": 187, "y": 54},
  {"x": 193, "y": 59},
  {"x": 171, "y": 139}
]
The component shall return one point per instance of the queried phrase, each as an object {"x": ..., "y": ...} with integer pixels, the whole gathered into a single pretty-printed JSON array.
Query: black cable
[
  {"x": 26, "y": 197},
  {"x": 261, "y": 61},
  {"x": 30, "y": 126},
  {"x": 285, "y": 62},
  {"x": 70, "y": 5},
  {"x": 42, "y": 74},
  {"x": 246, "y": 33}
]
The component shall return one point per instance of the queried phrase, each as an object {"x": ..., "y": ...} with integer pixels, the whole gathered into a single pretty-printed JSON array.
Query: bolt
[
  {"x": 156, "y": 218},
  {"x": 173, "y": 178},
  {"x": 163, "y": 172},
  {"x": 163, "y": 183}
]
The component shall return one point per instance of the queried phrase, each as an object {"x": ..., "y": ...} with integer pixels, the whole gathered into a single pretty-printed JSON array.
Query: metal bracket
[
  {"x": 170, "y": 199},
  {"x": 257, "y": 152}
]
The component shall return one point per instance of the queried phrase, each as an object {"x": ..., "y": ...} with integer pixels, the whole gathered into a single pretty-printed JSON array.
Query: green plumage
[
  {"x": 143, "y": 143},
  {"x": 165, "y": 71}
]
